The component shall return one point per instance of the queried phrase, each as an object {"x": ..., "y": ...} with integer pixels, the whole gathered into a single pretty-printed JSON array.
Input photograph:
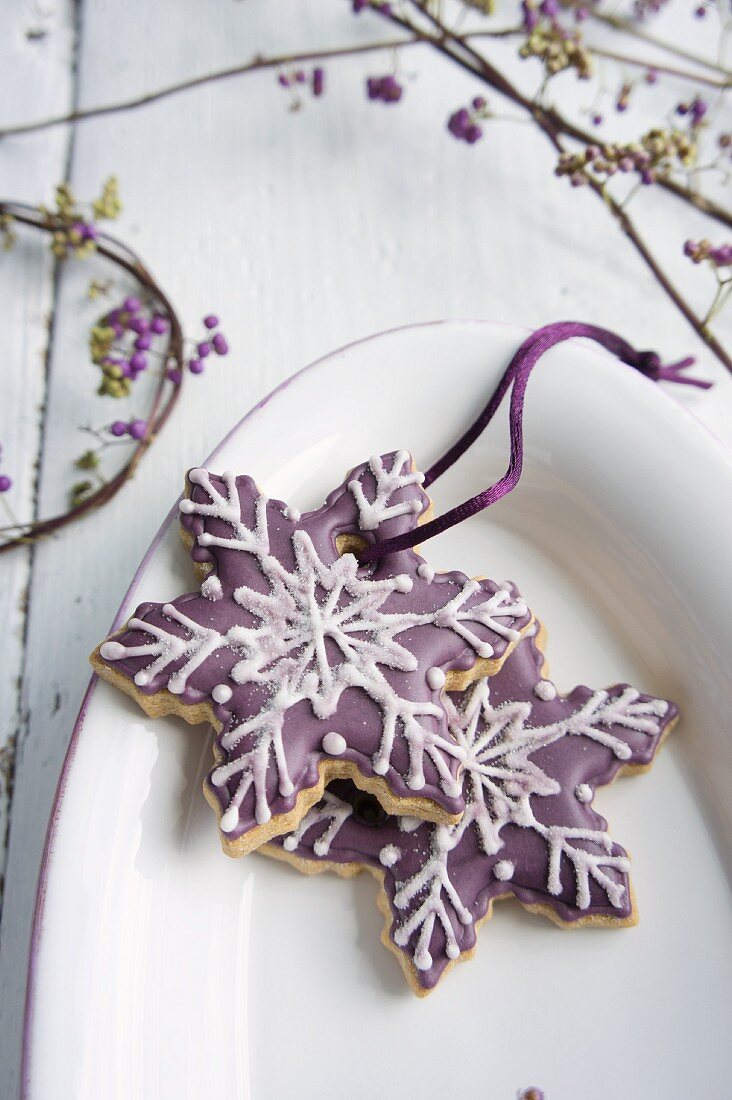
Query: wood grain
[{"x": 304, "y": 231}]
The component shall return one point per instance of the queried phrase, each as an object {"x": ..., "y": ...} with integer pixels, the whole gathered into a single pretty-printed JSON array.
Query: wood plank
[
  {"x": 304, "y": 231},
  {"x": 37, "y": 55}
]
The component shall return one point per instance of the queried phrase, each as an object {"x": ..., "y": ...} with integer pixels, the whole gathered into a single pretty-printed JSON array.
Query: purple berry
[
  {"x": 5, "y": 483},
  {"x": 549, "y": 8},
  {"x": 358, "y": 5},
  {"x": 211, "y": 321},
  {"x": 195, "y": 366},
  {"x": 373, "y": 87},
  {"x": 479, "y": 103},
  {"x": 118, "y": 428},
  {"x": 300, "y": 76},
  {"x": 203, "y": 349},
  {"x": 159, "y": 325},
  {"x": 318, "y": 81},
  {"x": 283, "y": 81},
  {"x": 459, "y": 122},
  {"x": 118, "y": 331},
  {"x": 597, "y": 120},
  {"x": 651, "y": 76},
  {"x": 174, "y": 375},
  {"x": 137, "y": 428},
  {"x": 473, "y": 133},
  {"x": 132, "y": 304},
  {"x": 140, "y": 325},
  {"x": 138, "y": 362},
  {"x": 581, "y": 14},
  {"x": 142, "y": 343},
  {"x": 700, "y": 12},
  {"x": 219, "y": 344}
]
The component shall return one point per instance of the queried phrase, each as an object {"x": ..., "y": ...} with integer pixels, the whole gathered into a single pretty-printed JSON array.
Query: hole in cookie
[
  {"x": 368, "y": 810},
  {"x": 348, "y": 543}
]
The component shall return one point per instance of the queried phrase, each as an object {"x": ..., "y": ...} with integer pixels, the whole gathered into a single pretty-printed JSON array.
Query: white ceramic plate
[{"x": 162, "y": 970}]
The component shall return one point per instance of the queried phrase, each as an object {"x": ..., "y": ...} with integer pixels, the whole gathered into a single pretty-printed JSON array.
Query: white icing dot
[
  {"x": 262, "y": 814},
  {"x": 423, "y": 960},
  {"x": 426, "y": 572},
  {"x": 112, "y": 651},
  {"x": 289, "y": 843},
  {"x": 484, "y": 649},
  {"x": 141, "y": 678},
  {"x": 452, "y": 950},
  {"x": 409, "y": 824},
  {"x": 176, "y": 685},
  {"x": 416, "y": 506},
  {"x": 186, "y": 506},
  {"x": 623, "y": 752},
  {"x": 221, "y": 693},
  {"x": 583, "y": 792},
  {"x": 334, "y": 744},
  {"x": 168, "y": 609},
  {"x": 381, "y": 767},
  {"x": 211, "y": 588},
  {"x": 435, "y": 678},
  {"x": 204, "y": 539},
  {"x": 403, "y": 583},
  {"x": 229, "y": 820},
  {"x": 197, "y": 476},
  {"x": 218, "y": 777},
  {"x": 545, "y": 690},
  {"x": 389, "y": 855},
  {"x": 293, "y": 514},
  {"x": 504, "y": 870},
  {"x": 415, "y": 782}
]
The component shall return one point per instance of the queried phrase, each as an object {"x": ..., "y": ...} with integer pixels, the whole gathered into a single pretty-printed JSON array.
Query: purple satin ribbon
[{"x": 517, "y": 376}]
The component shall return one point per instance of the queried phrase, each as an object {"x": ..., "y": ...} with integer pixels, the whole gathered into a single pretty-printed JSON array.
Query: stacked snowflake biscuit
[{"x": 385, "y": 717}]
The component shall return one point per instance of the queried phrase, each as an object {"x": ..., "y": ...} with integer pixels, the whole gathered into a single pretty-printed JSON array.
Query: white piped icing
[
  {"x": 211, "y": 588},
  {"x": 389, "y": 855},
  {"x": 504, "y": 869},
  {"x": 500, "y": 784},
  {"x": 583, "y": 792},
  {"x": 221, "y": 693},
  {"x": 426, "y": 572},
  {"x": 283, "y": 648},
  {"x": 435, "y": 678},
  {"x": 293, "y": 514},
  {"x": 372, "y": 513},
  {"x": 334, "y": 744},
  {"x": 545, "y": 690},
  {"x": 113, "y": 651}
]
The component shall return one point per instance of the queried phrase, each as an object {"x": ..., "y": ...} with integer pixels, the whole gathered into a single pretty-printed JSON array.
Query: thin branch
[
  {"x": 161, "y": 407},
  {"x": 626, "y": 27},
  {"x": 480, "y": 66}
]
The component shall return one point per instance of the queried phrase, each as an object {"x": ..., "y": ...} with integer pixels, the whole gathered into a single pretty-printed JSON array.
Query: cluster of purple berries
[
  {"x": 215, "y": 342},
  {"x": 698, "y": 251},
  {"x": 5, "y": 482},
  {"x": 299, "y": 76},
  {"x": 132, "y": 325},
  {"x": 136, "y": 429},
  {"x": 695, "y": 109},
  {"x": 384, "y": 88},
  {"x": 463, "y": 123}
]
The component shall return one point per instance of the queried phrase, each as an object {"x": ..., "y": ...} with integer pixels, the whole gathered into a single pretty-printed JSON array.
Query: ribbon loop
[{"x": 515, "y": 378}]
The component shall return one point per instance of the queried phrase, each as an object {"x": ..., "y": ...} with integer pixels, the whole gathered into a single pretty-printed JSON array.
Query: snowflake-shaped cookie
[
  {"x": 532, "y": 761},
  {"x": 310, "y": 666}
]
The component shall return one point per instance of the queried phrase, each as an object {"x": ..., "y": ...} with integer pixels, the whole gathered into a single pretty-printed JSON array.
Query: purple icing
[
  {"x": 532, "y": 765},
  {"x": 278, "y": 685}
]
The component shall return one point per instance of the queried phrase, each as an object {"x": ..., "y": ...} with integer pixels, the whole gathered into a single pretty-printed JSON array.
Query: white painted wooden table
[{"x": 304, "y": 231}]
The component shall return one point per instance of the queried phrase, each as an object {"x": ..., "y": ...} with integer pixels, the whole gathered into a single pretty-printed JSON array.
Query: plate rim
[{"x": 687, "y": 417}]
